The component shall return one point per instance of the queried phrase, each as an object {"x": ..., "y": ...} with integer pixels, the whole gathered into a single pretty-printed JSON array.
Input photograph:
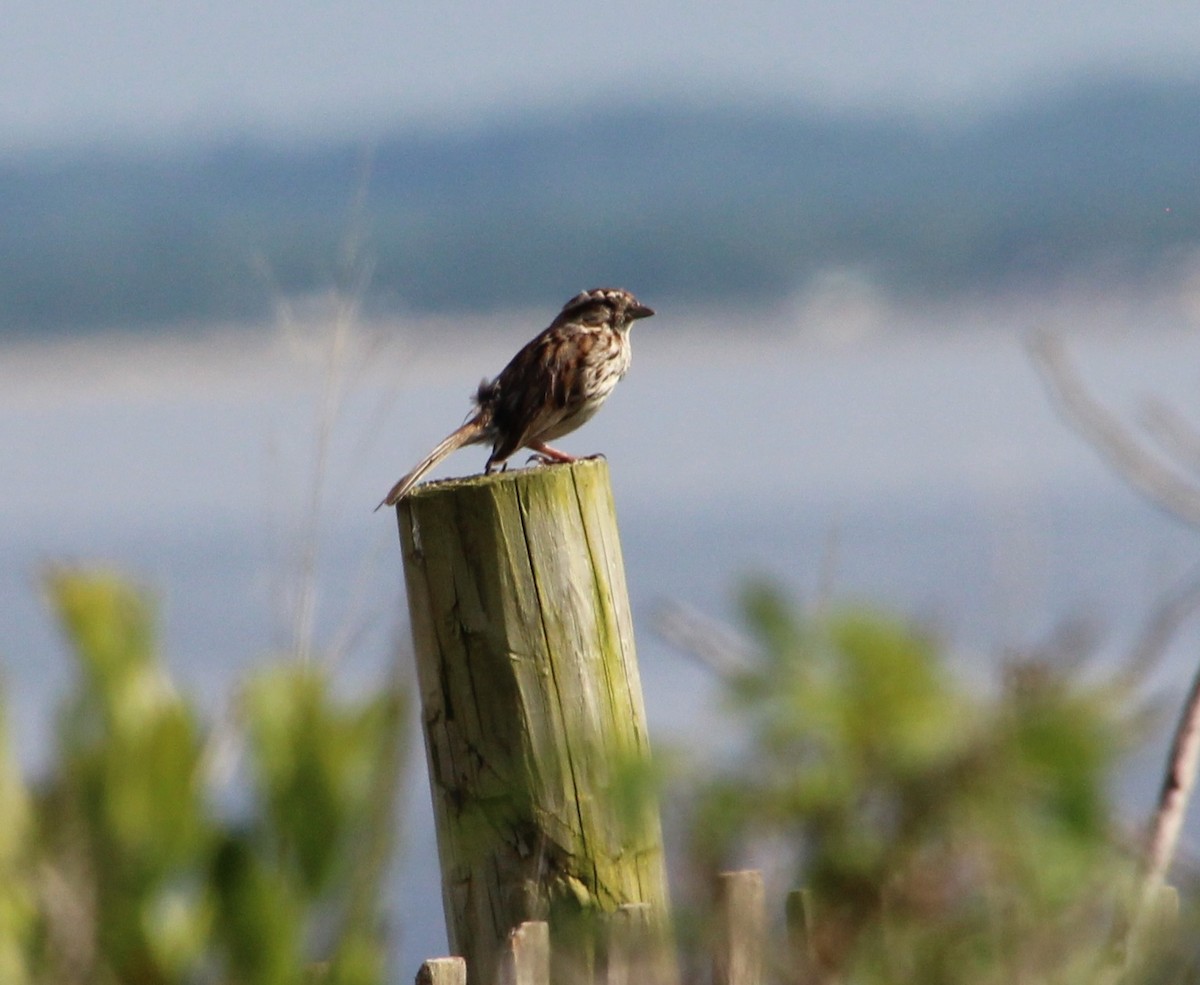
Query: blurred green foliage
[
  {"x": 118, "y": 866},
  {"x": 939, "y": 835}
]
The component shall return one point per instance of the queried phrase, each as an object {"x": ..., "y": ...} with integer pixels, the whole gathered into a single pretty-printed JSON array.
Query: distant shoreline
[
  {"x": 713, "y": 202},
  {"x": 292, "y": 354}
]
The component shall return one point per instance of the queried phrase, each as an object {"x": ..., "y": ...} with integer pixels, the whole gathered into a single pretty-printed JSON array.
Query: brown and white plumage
[{"x": 555, "y": 383}]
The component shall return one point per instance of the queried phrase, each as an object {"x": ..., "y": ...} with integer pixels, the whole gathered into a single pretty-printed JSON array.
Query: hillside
[{"x": 679, "y": 202}]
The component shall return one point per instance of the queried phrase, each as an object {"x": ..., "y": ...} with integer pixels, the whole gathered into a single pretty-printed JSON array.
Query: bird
[{"x": 554, "y": 384}]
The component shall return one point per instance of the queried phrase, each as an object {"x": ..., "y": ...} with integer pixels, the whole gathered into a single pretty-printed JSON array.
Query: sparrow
[{"x": 552, "y": 386}]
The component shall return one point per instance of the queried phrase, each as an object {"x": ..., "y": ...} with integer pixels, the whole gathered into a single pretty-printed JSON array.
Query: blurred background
[{"x": 255, "y": 258}]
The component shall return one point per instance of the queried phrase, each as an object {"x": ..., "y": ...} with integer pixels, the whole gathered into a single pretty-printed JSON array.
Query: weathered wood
[
  {"x": 525, "y": 959},
  {"x": 627, "y": 929},
  {"x": 637, "y": 952},
  {"x": 532, "y": 708},
  {"x": 442, "y": 971},
  {"x": 741, "y": 930},
  {"x": 801, "y": 963}
]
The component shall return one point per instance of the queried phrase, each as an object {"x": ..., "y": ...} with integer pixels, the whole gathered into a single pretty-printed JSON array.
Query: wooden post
[
  {"x": 442, "y": 971},
  {"x": 525, "y": 958},
  {"x": 635, "y": 954},
  {"x": 798, "y": 918},
  {"x": 741, "y": 929},
  {"x": 532, "y": 709}
]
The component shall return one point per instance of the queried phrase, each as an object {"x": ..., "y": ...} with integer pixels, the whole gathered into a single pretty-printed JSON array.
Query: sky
[{"x": 145, "y": 70}]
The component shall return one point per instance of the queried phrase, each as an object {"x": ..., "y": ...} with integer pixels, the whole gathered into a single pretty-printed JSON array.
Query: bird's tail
[{"x": 470, "y": 433}]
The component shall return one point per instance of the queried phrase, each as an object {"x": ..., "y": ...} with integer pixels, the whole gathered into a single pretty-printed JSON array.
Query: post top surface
[{"x": 594, "y": 468}]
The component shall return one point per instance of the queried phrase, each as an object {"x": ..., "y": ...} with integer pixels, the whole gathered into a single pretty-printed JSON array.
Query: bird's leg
[{"x": 547, "y": 455}]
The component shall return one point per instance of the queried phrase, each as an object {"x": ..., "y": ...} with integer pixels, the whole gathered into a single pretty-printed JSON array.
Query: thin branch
[
  {"x": 1109, "y": 436},
  {"x": 1184, "y": 758},
  {"x": 1172, "y": 801},
  {"x": 706, "y": 640},
  {"x": 1141, "y": 468}
]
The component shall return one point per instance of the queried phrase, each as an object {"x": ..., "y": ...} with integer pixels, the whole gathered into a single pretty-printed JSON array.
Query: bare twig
[
  {"x": 706, "y": 640},
  {"x": 1184, "y": 757},
  {"x": 1172, "y": 804},
  {"x": 1111, "y": 438},
  {"x": 1150, "y": 475}
]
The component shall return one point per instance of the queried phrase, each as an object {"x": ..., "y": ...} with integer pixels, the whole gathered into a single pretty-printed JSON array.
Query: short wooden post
[
  {"x": 741, "y": 929},
  {"x": 442, "y": 971},
  {"x": 625, "y": 952},
  {"x": 798, "y": 918},
  {"x": 525, "y": 958},
  {"x": 532, "y": 709},
  {"x": 635, "y": 952}
]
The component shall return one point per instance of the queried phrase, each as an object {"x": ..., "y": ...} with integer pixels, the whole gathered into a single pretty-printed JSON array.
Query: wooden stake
[
  {"x": 741, "y": 929},
  {"x": 525, "y": 959},
  {"x": 535, "y": 731},
  {"x": 443, "y": 971}
]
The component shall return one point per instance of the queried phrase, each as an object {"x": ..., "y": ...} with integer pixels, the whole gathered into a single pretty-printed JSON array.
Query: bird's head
[{"x": 604, "y": 304}]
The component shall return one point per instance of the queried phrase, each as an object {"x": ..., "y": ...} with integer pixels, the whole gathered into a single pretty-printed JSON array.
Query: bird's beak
[{"x": 640, "y": 311}]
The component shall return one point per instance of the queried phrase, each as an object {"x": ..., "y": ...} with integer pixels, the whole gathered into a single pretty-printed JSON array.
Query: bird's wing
[{"x": 537, "y": 391}]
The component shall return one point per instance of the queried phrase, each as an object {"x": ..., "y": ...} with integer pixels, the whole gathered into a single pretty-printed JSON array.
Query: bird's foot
[{"x": 545, "y": 455}]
